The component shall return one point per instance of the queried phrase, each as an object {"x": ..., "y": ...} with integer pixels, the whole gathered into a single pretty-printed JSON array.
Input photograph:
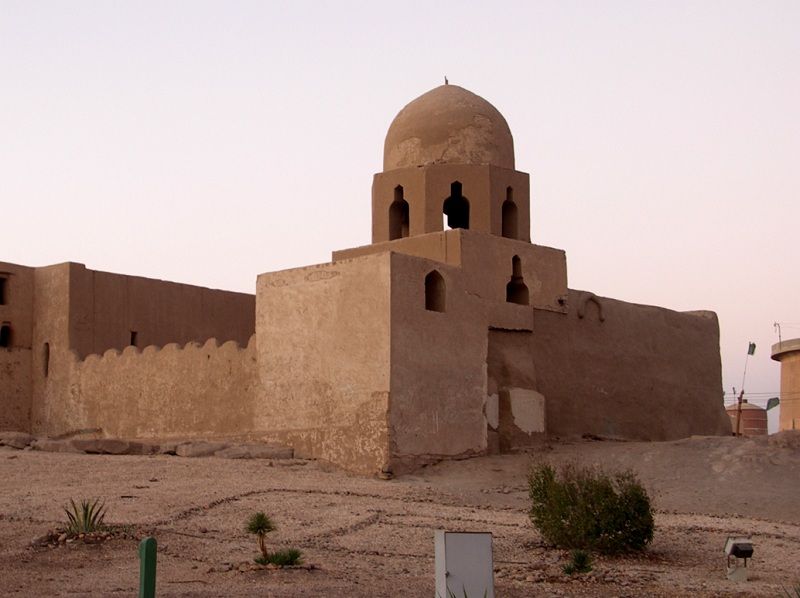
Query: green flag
[
  {"x": 773, "y": 402},
  {"x": 751, "y": 349}
]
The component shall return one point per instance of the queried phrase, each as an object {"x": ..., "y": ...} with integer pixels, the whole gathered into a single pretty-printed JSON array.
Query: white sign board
[{"x": 464, "y": 565}]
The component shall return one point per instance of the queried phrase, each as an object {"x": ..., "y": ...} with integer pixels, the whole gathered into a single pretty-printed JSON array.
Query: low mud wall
[{"x": 195, "y": 390}]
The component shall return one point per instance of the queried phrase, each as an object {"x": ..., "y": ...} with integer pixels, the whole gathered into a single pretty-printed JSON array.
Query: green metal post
[{"x": 147, "y": 568}]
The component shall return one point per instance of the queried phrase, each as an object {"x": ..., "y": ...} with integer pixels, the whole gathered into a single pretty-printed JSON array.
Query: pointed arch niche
[
  {"x": 510, "y": 216},
  {"x": 398, "y": 215},
  {"x": 455, "y": 208},
  {"x": 435, "y": 292},
  {"x": 516, "y": 289}
]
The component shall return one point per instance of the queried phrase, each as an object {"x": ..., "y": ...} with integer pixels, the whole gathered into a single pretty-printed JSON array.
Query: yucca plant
[
  {"x": 260, "y": 525},
  {"x": 85, "y": 518}
]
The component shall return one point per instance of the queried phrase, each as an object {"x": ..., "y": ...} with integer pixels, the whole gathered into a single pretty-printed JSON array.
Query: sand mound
[{"x": 789, "y": 439}]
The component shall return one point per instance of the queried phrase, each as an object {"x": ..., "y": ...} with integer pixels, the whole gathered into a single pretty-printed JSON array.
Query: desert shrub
[
  {"x": 85, "y": 518},
  {"x": 581, "y": 562},
  {"x": 282, "y": 558},
  {"x": 579, "y": 507},
  {"x": 260, "y": 525}
]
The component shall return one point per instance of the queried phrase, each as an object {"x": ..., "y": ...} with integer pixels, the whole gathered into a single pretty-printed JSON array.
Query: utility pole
[{"x": 751, "y": 349}]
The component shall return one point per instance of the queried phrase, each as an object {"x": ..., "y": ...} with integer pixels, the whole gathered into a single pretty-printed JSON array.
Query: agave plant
[
  {"x": 581, "y": 562},
  {"x": 86, "y": 517},
  {"x": 260, "y": 525},
  {"x": 792, "y": 592}
]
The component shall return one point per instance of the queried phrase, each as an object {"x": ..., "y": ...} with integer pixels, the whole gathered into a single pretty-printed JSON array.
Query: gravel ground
[{"x": 369, "y": 537}]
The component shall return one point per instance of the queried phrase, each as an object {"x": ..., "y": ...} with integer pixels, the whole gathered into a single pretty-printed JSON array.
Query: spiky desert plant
[
  {"x": 581, "y": 562},
  {"x": 792, "y": 592},
  {"x": 286, "y": 557},
  {"x": 260, "y": 525},
  {"x": 85, "y": 518}
]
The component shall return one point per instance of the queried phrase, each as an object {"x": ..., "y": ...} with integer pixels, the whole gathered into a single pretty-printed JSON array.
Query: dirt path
[{"x": 375, "y": 538}]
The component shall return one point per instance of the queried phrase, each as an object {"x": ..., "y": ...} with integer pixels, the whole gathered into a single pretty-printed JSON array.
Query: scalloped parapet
[
  {"x": 131, "y": 350},
  {"x": 192, "y": 390}
]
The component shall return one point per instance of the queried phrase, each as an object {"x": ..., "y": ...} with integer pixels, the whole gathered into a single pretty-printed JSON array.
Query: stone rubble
[{"x": 114, "y": 446}]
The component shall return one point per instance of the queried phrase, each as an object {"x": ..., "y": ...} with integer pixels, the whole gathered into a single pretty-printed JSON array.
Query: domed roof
[{"x": 448, "y": 125}]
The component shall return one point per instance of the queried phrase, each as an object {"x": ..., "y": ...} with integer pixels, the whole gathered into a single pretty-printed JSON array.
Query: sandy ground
[{"x": 369, "y": 537}]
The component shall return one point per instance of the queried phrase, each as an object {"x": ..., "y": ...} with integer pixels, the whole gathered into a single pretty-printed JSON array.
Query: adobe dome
[{"x": 448, "y": 125}]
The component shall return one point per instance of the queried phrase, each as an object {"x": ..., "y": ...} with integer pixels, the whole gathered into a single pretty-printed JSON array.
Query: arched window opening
[
  {"x": 134, "y": 338},
  {"x": 435, "y": 292},
  {"x": 3, "y": 284},
  {"x": 456, "y": 208},
  {"x": 398, "y": 216},
  {"x": 510, "y": 216},
  {"x": 5, "y": 335},
  {"x": 46, "y": 360},
  {"x": 516, "y": 289}
]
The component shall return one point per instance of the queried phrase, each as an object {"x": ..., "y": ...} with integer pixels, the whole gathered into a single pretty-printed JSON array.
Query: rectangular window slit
[{"x": 5, "y": 335}]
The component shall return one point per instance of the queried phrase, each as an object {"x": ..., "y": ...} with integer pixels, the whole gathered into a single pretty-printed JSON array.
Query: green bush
[
  {"x": 579, "y": 507},
  {"x": 282, "y": 558},
  {"x": 85, "y": 518}
]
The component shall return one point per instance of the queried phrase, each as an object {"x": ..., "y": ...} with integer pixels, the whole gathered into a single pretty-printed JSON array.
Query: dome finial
[{"x": 446, "y": 82}]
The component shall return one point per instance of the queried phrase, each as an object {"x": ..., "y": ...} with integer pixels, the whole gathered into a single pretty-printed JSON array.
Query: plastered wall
[
  {"x": 438, "y": 385},
  {"x": 15, "y": 389},
  {"x": 17, "y": 307},
  {"x": 487, "y": 259},
  {"x": 442, "y": 246},
  {"x": 323, "y": 354},
  {"x": 16, "y": 311},
  {"x": 628, "y": 370},
  {"x": 511, "y": 377},
  {"x": 50, "y": 374}
]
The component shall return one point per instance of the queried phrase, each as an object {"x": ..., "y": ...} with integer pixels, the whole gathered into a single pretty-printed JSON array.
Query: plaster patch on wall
[
  {"x": 492, "y": 410},
  {"x": 274, "y": 281},
  {"x": 534, "y": 283},
  {"x": 321, "y": 275},
  {"x": 527, "y": 409}
]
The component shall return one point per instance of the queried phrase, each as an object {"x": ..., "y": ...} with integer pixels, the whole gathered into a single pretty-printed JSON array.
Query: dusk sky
[{"x": 207, "y": 142}]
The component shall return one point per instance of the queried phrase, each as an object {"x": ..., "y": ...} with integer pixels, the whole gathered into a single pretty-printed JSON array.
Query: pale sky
[{"x": 206, "y": 142}]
